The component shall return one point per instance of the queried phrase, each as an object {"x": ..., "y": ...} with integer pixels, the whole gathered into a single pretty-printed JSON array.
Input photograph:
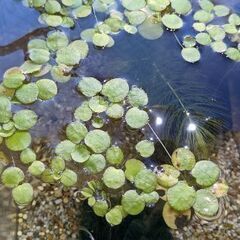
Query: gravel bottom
[{"x": 227, "y": 227}]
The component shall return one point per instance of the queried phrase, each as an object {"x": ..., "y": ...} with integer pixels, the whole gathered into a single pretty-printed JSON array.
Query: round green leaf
[
  {"x": 158, "y": 5},
  {"x": 181, "y": 6},
  {"x": 115, "y": 111},
  {"x": 36, "y": 168},
  {"x": 203, "y": 39},
  {"x": 132, "y": 203},
  {"x": 18, "y": 141},
  {"x": 69, "y": 178},
  {"x": 64, "y": 149},
  {"x": 114, "y": 217},
  {"x": 96, "y": 163},
  {"x": 80, "y": 154},
  {"x": 146, "y": 180},
  {"x": 114, "y": 155},
  {"x": 191, "y": 54},
  {"x": 89, "y": 86},
  {"x": 12, "y": 176},
  {"x": 181, "y": 197},
  {"x": 137, "y": 97},
  {"x": 206, "y": 203},
  {"x": 113, "y": 178},
  {"x": 100, "y": 208},
  {"x": 183, "y": 159},
  {"x": 83, "y": 113},
  {"x": 133, "y": 167},
  {"x": 116, "y": 89},
  {"x": 13, "y": 78},
  {"x": 100, "y": 39},
  {"x": 25, "y": 119},
  {"x": 28, "y": 156},
  {"x": 221, "y": 10},
  {"x": 150, "y": 198},
  {"x": 27, "y": 93},
  {"x": 23, "y": 194},
  {"x": 145, "y": 148},
  {"x": 98, "y": 104},
  {"x": 98, "y": 140},
  {"x": 206, "y": 173},
  {"x": 39, "y": 56},
  {"x": 76, "y": 132},
  {"x": 57, "y": 40},
  {"x": 172, "y": 21},
  {"x": 133, "y": 4},
  {"x": 136, "y": 118}
]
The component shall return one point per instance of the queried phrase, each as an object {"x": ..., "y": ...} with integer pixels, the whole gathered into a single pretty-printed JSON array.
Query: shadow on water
[{"x": 209, "y": 90}]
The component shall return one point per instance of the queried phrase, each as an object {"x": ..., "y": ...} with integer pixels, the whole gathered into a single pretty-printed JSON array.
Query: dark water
[{"x": 209, "y": 89}]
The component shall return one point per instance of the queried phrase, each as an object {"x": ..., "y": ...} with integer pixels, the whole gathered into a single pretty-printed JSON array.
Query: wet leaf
[
  {"x": 137, "y": 97},
  {"x": 96, "y": 163},
  {"x": 133, "y": 4},
  {"x": 145, "y": 180},
  {"x": 132, "y": 202},
  {"x": 76, "y": 132},
  {"x": 57, "y": 40},
  {"x": 221, "y": 10},
  {"x": 114, "y": 217},
  {"x": 28, "y": 156},
  {"x": 98, "y": 104},
  {"x": 150, "y": 198},
  {"x": 89, "y": 86},
  {"x": 191, "y": 54},
  {"x": 203, "y": 16},
  {"x": 100, "y": 208},
  {"x": 158, "y": 5},
  {"x": 25, "y": 119},
  {"x": 145, "y": 148},
  {"x": 27, "y": 93},
  {"x": 36, "y": 168},
  {"x": 206, "y": 203},
  {"x": 80, "y": 154},
  {"x": 181, "y": 197},
  {"x": 69, "y": 178},
  {"x": 183, "y": 159},
  {"x": 172, "y": 21},
  {"x": 136, "y": 118},
  {"x": 98, "y": 140},
  {"x": 219, "y": 46},
  {"x": 39, "y": 56},
  {"x": 206, "y": 173},
  {"x": 133, "y": 167},
  {"x": 64, "y": 149},
  {"x": 13, "y": 78},
  {"x": 83, "y": 113},
  {"x": 12, "y": 176},
  {"x": 203, "y": 39},
  {"x": 113, "y": 178},
  {"x": 114, "y": 155},
  {"x": 115, "y": 111},
  {"x": 47, "y": 89},
  {"x": 100, "y": 39},
  {"x": 181, "y": 6},
  {"x": 18, "y": 141},
  {"x": 23, "y": 194}
]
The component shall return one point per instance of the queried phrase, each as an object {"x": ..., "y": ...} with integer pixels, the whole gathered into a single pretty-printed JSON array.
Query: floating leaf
[
  {"x": 230, "y": 28},
  {"x": 81, "y": 47},
  {"x": 133, "y": 4},
  {"x": 167, "y": 176},
  {"x": 233, "y": 54},
  {"x": 221, "y": 10},
  {"x": 80, "y": 154},
  {"x": 114, "y": 155},
  {"x": 25, "y": 119},
  {"x": 98, "y": 140},
  {"x": 69, "y": 178},
  {"x": 203, "y": 16},
  {"x": 61, "y": 73},
  {"x": 27, "y": 93},
  {"x": 181, "y": 197},
  {"x": 28, "y": 156},
  {"x": 145, "y": 148},
  {"x": 135, "y": 17},
  {"x": 219, "y": 46},
  {"x": 82, "y": 11},
  {"x": 39, "y": 56},
  {"x": 48, "y": 176},
  {"x": 57, "y": 40},
  {"x": 23, "y": 194},
  {"x": 115, "y": 111},
  {"x": 12, "y": 176},
  {"x": 191, "y": 54},
  {"x": 130, "y": 29},
  {"x": 100, "y": 39},
  {"x": 150, "y": 198},
  {"x": 146, "y": 180},
  {"x": 206, "y": 203},
  {"x": 113, "y": 178},
  {"x": 97, "y": 122},
  {"x": 98, "y": 104},
  {"x": 158, "y": 5},
  {"x": 234, "y": 19},
  {"x": 151, "y": 30},
  {"x": 52, "y": 6},
  {"x": 5, "y": 109},
  {"x": 37, "y": 44},
  {"x": 89, "y": 86},
  {"x": 183, "y": 159},
  {"x": 87, "y": 34},
  {"x": 172, "y": 21},
  {"x": 68, "y": 56},
  {"x": 64, "y": 149},
  {"x": 29, "y": 67},
  {"x": 136, "y": 118},
  {"x": 100, "y": 208},
  {"x": 171, "y": 216},
  {"x": 206, "y": 173},
  {"x": 203, "y": 39},
  {"x": 216, "y": 32},
  {"x": 115, "y": 89},
  {"x": 36, "y": 168},
  {"x": 189, "y": 41},
  {"x": 114, "y": 216},
  {"x": 57, "y": 165},
  {"x": 219, "y": 189},
  {"x": 199, "y": 27},
  {"x": 96, "y": 163},
  {"x": 52, "y": 20},
  {"x": 76, "y": 132},
  {"x": 206, "y": 5},
  {"x": 133, "y": 167},
  {"x": 13, "y": 78},
  {"x": 132, "y": 202},
  {"x": 181, "y": 6},
  {"x": 137, "y": 97},
  {"x": 18, "y": 141},
  {"x": 83, "y": 113}
]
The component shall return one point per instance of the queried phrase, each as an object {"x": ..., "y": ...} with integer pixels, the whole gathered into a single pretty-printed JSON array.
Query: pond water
[{"x": 209, "y": 90}]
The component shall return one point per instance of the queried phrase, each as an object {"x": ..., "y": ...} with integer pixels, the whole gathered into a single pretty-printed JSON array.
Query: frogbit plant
[
  {"x": 119, "y": 183},
  {"x": 213, "y": 24}
]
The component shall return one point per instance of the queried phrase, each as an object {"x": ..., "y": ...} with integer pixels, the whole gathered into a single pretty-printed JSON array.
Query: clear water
[{"x": 209, "y": 88}]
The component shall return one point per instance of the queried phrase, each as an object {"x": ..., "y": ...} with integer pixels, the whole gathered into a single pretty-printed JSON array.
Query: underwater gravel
[{"x": 227, "y": 227}]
